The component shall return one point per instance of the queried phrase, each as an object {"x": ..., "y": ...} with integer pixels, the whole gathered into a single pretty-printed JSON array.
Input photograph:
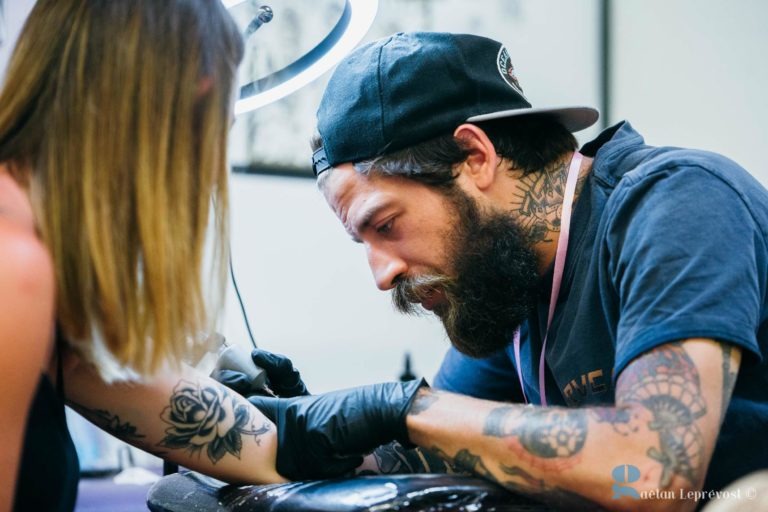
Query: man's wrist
[
  {"x": 425, "y": 397},
  {"x": 404, "y": 394}
]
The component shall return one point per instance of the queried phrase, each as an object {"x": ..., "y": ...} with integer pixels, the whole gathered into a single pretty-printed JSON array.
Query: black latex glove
[
  {"x": 282, "y": 378},
  {"x": 325, "y": 436}
]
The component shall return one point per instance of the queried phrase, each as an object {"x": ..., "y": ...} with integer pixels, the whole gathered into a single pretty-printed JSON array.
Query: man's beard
[{"x": 496, "y": 283}]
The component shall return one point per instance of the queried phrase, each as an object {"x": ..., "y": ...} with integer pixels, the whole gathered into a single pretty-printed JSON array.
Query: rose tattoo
[{"x": 207, "y": 418}]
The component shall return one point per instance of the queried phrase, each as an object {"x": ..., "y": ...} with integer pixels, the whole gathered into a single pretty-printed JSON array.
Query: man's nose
[{"x": 386, "y": 267}]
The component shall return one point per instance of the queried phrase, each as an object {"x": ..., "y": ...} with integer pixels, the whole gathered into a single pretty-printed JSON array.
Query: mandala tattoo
[
  {"x": 207, "y": 418},
  {"x": 546, "y": 433},
  {"x": 666, "y": 382}
]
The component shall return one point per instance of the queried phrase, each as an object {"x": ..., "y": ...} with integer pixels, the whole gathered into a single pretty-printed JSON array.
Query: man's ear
[{"x": 482, "y": 163}]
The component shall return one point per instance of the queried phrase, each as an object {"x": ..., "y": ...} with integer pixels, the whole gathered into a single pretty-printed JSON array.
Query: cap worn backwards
[{"x": 407, "y": 88}]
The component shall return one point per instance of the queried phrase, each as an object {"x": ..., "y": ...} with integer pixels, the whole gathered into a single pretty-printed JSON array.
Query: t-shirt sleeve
[
  {"x": 685, "y": 259},
  {"x": 490, "y": 378}
]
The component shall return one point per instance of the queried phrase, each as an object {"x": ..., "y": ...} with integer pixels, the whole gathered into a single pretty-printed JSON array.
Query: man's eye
[{"x": 386, "y": 227}]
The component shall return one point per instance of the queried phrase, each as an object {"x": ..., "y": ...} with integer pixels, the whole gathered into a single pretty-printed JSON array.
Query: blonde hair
[{"x": 115, "y": 114}]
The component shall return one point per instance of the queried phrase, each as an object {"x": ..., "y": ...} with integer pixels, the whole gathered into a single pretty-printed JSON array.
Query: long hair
[{"x": 115, "y": 116}]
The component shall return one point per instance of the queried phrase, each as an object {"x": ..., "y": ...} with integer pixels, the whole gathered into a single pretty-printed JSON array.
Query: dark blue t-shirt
[{"x": 666, "y": 244}]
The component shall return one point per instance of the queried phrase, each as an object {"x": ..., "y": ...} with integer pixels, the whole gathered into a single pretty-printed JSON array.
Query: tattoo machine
[{"x": 236, "y": 358}]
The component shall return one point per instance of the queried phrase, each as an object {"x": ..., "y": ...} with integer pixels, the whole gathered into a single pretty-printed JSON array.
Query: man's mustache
[{"x": 410, "y": 291}]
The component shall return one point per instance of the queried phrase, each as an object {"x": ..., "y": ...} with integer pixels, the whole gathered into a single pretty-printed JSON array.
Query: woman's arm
[
  {"x": 187, "y": 418},
  {"x": 26, "y": 333}
]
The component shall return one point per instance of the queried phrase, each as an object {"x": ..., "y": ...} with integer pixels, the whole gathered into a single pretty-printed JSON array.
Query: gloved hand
[
  {"x": 324, "y": 436},
  {"x": 282, "y": 378}
]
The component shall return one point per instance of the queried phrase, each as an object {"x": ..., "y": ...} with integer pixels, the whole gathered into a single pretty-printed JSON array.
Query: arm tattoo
[
  {"x": 207, "y": 418},
  {"x": 393, "y": 459},
  {"x": 109, "y": 423},
  {"x": 464, "y": 460},
  {"x": 666, "y": 382},
  {"x": 520, "y": 482},
  {"x": 558, "y": 497},
  {"x": 729, "y": 379},
  {"x": 423, "y": 401},
  {"x": 623, "y": 420},
  {"x": 548, "y": 438}
]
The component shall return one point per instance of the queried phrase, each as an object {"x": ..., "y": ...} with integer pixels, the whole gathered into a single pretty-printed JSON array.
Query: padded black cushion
[{"x": 186, "y": 492}]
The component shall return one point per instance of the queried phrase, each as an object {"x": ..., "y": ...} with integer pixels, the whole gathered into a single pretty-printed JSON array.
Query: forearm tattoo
[
  {"x": 660, "y": 391},
  {"x": 520, "y": 481},
  {"x": 563, "y": 499},
  {"x": 464, "y": 460},
  {"x": 666, "y": 383},
  {"x": 425, "y": 398},
  {"x": 729, "y": 379},
  {"x": 550, "y": 439},
  {"x": 623, "y": 420},
  {"x": 207, "y": 418},
  {"x": 394, "y": 459}
]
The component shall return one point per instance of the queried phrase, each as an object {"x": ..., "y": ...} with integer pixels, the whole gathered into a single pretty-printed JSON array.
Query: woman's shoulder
[
  {"x": 25, "y": 264},
  {"x": 27, "y": 287},
  {"x": 27, "y": 302},
  {"x": 24, "y": 259},
  {"x": 27, "y": 291}
]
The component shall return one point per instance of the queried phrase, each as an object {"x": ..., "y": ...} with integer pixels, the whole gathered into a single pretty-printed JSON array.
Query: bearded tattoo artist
[{"x": 619, "y": 290}]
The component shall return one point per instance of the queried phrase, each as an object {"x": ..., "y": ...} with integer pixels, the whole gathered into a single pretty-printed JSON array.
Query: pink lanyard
[{"x": 557, "y": 277}]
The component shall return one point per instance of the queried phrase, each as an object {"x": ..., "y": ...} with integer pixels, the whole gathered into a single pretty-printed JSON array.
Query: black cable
[
  {"x": 240, "y": 300},
  {"x": 605, "y": 67}
]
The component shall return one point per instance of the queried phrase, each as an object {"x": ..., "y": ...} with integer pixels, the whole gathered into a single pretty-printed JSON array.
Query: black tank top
[{"x": 49, "y": 471}]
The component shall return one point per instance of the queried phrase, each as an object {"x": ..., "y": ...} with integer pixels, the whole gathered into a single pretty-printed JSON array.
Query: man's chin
[
  {"x": 474, "y": 351},
  {"x": 477, "y": 348}
]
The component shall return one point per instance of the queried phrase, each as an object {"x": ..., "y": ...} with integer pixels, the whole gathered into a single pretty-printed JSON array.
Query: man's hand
[
  {"x": 323, "y": 436},
  {"x": 282, "y": 378}
]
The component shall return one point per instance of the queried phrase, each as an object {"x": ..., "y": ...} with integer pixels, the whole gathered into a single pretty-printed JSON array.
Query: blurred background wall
[{"x": 684, "y": 72}]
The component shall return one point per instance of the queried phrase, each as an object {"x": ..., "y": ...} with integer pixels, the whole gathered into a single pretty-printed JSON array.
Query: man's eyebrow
[{"x": 366, "y": 217}]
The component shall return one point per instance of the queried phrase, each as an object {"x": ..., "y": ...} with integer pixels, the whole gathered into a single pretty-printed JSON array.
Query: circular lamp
[{"x": 356, "y": 18}]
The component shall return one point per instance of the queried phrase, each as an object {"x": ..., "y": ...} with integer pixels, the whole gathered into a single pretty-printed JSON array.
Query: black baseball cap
[{"x": 407, "y": 88}]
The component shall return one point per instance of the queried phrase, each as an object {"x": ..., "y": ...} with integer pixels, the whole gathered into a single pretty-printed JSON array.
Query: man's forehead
[
  {"x": 349, "y": 194},
  {"x": 340, "y": 183}
]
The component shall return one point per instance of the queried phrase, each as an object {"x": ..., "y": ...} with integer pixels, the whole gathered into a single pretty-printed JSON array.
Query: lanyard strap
[{"x": 557, "y": 277}]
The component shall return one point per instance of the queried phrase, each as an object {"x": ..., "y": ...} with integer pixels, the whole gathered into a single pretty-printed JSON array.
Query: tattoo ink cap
[{"x": 407, "y": 88}]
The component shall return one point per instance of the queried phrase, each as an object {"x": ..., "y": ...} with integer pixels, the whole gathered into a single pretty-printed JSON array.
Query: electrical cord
[{"x": 240, "y": 301}]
